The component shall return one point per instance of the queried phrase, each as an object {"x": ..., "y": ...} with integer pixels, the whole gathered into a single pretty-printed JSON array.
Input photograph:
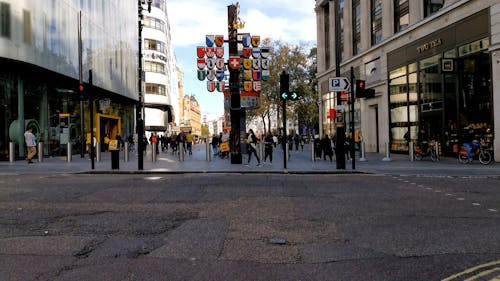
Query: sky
[{"x": 191, "y": 20}]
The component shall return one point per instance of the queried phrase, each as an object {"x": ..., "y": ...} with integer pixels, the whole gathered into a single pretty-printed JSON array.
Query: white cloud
[{"x": 277, "y": 19}]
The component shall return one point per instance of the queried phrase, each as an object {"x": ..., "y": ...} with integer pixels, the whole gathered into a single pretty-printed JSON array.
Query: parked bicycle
[
  {"x": 423, "y": 150},
  {"x": 478, "y": 151}
]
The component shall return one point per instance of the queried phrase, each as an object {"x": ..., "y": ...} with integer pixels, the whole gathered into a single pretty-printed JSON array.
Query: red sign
[
  {"x": 331, "y": 114},
  {"x": 234, "y": 62},
  {"x": 344, "y": 96}
]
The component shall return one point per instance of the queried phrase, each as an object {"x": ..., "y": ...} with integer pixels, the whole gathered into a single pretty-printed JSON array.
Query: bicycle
[
  {"x": 479, "y": 152},
  {"x": 430, "y": 151}
]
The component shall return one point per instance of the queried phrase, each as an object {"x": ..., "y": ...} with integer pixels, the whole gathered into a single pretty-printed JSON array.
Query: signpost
[
  {"x": 339, "y": 84},
  {"x": 252, "y": 62}
]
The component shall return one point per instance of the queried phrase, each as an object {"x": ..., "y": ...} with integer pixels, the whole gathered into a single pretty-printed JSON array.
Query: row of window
[
  {"x": 152, "y": 66},
  {"x": 154, "y": 23},
  {"x": 155, "y": 45},
  {"x": 401, "y": 20},
  {"x": 156, "y": 89}
]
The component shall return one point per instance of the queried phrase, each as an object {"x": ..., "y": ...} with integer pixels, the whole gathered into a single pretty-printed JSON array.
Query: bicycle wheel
[
  {"x": 485, "y": 157},
  {"x": 463, "y": 158}
]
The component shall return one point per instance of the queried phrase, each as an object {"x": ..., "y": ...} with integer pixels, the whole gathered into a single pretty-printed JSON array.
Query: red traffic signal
[
  {"x": 80, "y": 88},
  {"x": 360, "y": 89}
]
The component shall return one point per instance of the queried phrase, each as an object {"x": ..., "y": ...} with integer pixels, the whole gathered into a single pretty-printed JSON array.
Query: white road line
[
  {"x": 492, "y": 210},
  {"x": 460, "y": 199},
  {"x": 476, "y": 204}
]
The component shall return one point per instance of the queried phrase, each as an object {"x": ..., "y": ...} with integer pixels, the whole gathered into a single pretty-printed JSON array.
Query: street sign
[{"x": 339, "y": 84}]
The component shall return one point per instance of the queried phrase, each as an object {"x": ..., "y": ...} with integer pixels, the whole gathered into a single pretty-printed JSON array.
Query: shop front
[{"x": 441, "y": 84}]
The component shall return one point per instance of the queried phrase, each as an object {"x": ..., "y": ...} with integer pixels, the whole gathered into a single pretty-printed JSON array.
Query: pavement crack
[{"x": 89, "y": 248}]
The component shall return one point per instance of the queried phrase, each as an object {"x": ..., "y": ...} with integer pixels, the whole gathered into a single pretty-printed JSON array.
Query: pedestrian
[
  {"x": 326, "y": 145},
  {"x": 189, "y": 141},
  {"x": 252, "y": 147},
  {"x": 268, "y": 150},
  {"x": 30, "y": 140}
]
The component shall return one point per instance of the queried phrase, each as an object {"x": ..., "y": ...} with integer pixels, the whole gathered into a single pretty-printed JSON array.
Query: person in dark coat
[{"x": 326, "y": 145}]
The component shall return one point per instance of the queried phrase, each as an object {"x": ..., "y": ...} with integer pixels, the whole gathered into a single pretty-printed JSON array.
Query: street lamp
[{"x": 139, "y": 106}]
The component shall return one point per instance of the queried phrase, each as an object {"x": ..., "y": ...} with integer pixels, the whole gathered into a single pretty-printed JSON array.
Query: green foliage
[{"x": 300, "y": 63}]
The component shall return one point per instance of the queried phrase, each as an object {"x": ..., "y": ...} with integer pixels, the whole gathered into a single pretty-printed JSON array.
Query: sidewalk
[{"x": 300, "y": 162}]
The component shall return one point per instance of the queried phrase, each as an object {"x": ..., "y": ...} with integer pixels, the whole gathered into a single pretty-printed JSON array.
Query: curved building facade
[
  {"x": 43, "y": 59},
  {"x": 159, "y": 68}
]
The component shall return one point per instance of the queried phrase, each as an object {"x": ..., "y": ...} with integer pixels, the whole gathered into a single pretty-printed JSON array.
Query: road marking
[
  {"x": 492, "y": 210},
  {"x": 482, "y": 274},
  {"x": 428, "y": 188},
  {"x": 438, "y": 191},
  {"x": 470, "y": 270},
  {"x": 476, "y": 204},
  {"x": 449, "y": 194},
  {"x": 460, "y": 199}
]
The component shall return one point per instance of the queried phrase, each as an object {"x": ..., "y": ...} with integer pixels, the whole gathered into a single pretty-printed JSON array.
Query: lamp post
[
  {"x": 339, "y": 126},
  {"x": 139, "y": 105}
]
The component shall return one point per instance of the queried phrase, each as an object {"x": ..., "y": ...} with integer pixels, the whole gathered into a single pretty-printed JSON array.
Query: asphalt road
[{"x": 249, "y": 227}]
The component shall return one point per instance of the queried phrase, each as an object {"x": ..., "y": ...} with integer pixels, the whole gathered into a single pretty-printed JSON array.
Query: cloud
[{"x": 276, "y": 19}]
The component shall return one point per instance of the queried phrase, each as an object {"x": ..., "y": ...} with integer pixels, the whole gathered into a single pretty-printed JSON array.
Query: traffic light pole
[
  {"x": 284, "y": 135},
  {"x": 351, "y": 144}
]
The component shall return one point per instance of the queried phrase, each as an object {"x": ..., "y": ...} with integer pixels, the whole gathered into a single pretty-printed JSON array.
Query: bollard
[
  {"x": 12, "y": 152},
  {"x": 98, "y": 152},
  {"x": 40, "y": 152},
  {"x": 312, "y": 152},
  {"x": 362, "y": 157},
  {"x": 69, "y": 152},
  {"x": 436, "y": 147},
  {"x": 387, "y": 157},
  {"x": 260, "y": 147},
  {"x": 208, "y": 152},
  {"x": 153, "y": 152},
  {"x": 181, "y": 151},
  {"x": 125, "y": 152},
  {"x": 411, "y": 151},
  {"x": 287, "y": 152}
]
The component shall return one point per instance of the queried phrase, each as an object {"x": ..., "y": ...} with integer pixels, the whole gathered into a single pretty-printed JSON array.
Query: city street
[{"x": 248, "y": 226}]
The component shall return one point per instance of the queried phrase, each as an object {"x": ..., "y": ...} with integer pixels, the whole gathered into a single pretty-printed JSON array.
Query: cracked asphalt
[{"x": 220, "y": 227}]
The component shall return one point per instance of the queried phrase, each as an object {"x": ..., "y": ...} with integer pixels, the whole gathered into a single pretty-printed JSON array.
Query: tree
[
  {"x": 205, "y": 132},
  {"x": 300, "y": 64}
]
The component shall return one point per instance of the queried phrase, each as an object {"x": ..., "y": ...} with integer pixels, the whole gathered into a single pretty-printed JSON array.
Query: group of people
[{"x": 326, "y": 146}]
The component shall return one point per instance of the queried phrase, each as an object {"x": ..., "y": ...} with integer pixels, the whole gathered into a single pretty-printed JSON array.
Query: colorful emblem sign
[
  {"x": 201, "y": 63},
  {"x": 202, "y": 74},
  {"x": 256, "y": 53},
  {"x": 247, "y": 63},
  {"x": 247, "y": 85},
  {"x": 219, "y": 40},
  {"x": 266, "y": 75},
  {"x": 247, "y": 52},
  {"x": 219, "y": 63},
  {"x": 255, "y": 41},
  {"x": 246, "y": 40},
  {"x": 264, "y": 63},
  {"x": 200, "y": 51},
  {"x": 234, "y": 62},
  {"x": 209, "y": 40},
  {"x": 219, "y": 52},
  {"x": 211, "y": 75},
  {"x": 256, "y": 64},
  {"x": 221, "y": 86},
  {"x": 256, "y": 75},
  {"x": 210, "y": 63},
  {"x": 211, "y": 85},
  {"x": 257, "y": 86},
  {"x": 247, "y": 75},
  {"x": 210, "y": 51},
  {"x": 264, "y": 52}
]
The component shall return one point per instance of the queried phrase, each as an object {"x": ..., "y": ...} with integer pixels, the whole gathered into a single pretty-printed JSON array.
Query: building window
[
  {"x": 154, "y": 45},
  {"x": 155, "y": 89},
  {"x": 27, "y": 27},
  {"x": 151, "y": 66},
  {"x": 376, "y": 14},
  {"x": 5, "y": 20},
  {"x": 432, "y": 6},
  {"x": 326, "y": 19},
  {"x": 154, "y": 23},
  {"x": 401, "y": 15},
  {"x": 356, "y": 29}
]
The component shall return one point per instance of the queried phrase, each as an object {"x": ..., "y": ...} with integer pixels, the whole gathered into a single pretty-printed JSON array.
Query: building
[
  {"x": 190, "y": 115},
  {"x": 159, "y": 68},
  {"x": 40, "y": 71},
  {"x": 434, "y": 64}
]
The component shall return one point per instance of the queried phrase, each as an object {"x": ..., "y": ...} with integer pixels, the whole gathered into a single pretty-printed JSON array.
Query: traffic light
[
  {"x": 284, "y": 85},
  {"x": 360, "y": 89},
  {"x": 81, "y": 92}
]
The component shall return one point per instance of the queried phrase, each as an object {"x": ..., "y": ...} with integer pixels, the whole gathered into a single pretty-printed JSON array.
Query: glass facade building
[{"x": 40, "y": 55}]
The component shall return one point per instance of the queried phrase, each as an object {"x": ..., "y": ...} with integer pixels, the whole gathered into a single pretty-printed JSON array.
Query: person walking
[
  {"x": 252, "y": 147},
  {"x": 189, "y": 141},
  {"x": 326, "y": 145},
  {"x": 30, "y": 140},
  {"x": 268, "y": 150}
]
